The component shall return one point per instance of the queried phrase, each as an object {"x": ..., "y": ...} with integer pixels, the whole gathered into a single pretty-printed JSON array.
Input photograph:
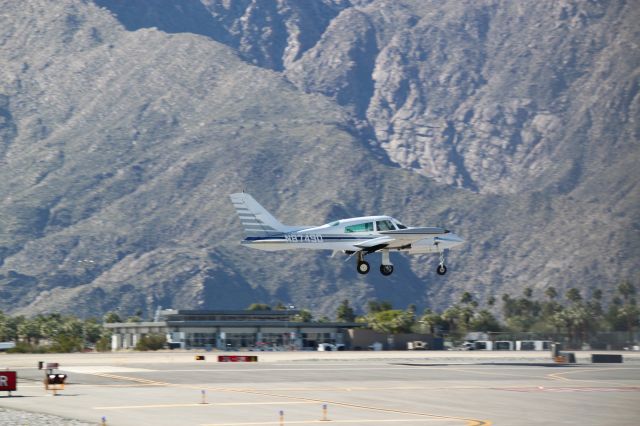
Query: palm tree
[
  {"x": 345, "y": 312},
  {"x": 597, "y": 294},
  {"x": 573, "y": 294},
  {"x": 627, "y": 291},
  {"x": 453, "y": 317},
  {"x": 484, "y": 321},
  {"x": 111, "y": 317},
  {"x": 431, "y": 320},
  {"x": 551, "y": 293},
  {"x": 466, "y": 298},
  {"x": 30, "y": 331}
]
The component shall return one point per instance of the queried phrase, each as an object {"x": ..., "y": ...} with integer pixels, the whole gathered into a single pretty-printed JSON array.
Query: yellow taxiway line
[
  {"x": 307, "y": 422},
  {"x": 434, "y": 417},
  {"x": 560, "y": 376},
  {"x": 206, "y": 404}
]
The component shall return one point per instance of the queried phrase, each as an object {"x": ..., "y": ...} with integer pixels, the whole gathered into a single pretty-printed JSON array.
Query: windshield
[
  {"x": 385, "y": 225},
  {"x": 399, "y": 225}
]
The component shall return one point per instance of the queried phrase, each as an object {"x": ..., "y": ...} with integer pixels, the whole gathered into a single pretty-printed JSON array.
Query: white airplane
[{"x": 358, "y": 236}]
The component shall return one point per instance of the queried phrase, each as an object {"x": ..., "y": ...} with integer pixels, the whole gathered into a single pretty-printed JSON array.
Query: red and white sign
[
  {"x": 237, "y": 358},
  {"x": 8, "y": 380}
]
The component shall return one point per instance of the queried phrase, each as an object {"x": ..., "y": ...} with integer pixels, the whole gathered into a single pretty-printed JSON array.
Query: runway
[{"x": 351, "y": 388}]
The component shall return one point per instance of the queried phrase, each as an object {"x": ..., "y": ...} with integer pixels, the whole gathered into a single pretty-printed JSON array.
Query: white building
[{"x": 259, "y": 330}]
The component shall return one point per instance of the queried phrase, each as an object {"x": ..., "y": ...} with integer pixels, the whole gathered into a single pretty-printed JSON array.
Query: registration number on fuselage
[{"x": 303, "y": 238}]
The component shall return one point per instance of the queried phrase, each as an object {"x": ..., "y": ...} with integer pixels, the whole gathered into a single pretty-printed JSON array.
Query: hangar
[{"x": 232, "y": 329}]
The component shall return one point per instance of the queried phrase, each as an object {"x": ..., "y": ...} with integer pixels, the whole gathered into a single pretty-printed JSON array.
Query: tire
[
  {"x": 363, "y": 267},
  {"x": 386, "y": 270},
  {"x": 441, "y": 270}
]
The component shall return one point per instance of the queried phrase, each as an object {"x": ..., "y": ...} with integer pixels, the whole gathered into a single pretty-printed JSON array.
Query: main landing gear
[
  {"x": 386, "y": 268},
  {"x": 363, "y": 265}
]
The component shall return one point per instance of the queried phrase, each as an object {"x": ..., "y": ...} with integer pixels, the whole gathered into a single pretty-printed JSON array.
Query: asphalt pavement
[{"x": 354, "y": 388}]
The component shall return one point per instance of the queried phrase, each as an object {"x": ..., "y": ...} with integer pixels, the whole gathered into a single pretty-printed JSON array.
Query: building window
[
  {"x": 200, "y": 340},
  {"x": 239, "y": 340}
]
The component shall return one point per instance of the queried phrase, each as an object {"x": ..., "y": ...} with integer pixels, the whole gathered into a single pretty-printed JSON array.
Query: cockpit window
[
  {"x": 385, "y": 225},
  {"x": 361, "y": 227},
  {"x": 336, "y": 223},
  {"x": 400, "y": 226}
]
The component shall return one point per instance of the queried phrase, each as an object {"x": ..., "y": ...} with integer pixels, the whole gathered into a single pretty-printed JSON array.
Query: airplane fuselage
[{"x": 357, "y": 234}]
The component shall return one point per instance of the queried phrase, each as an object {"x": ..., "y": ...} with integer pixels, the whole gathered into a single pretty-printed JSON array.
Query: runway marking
[
  {"x": 256, "y": 369},
  {"x": 224, "y": 389},
  {"x": 468, "y": 421},
  {"x": 215, "y": 404},
  {"x": 489, "y": 373},
  {"x": 85, "y": 385},
  {"x": 361, "y": 388},
  {"x": 572, "y": 389},
  {"x": 132, "y": 379},
  {"x": 82, "y": 369},
  {"x": 560, "y": 376},
  {"x": 306, "y": 422}
]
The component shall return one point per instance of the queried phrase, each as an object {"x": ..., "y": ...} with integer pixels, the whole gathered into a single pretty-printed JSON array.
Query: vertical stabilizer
[{"x": 256, "y": 220}]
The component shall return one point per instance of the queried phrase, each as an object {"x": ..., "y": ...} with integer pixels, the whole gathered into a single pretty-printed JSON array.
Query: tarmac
[{"x": 352, "y": 388}]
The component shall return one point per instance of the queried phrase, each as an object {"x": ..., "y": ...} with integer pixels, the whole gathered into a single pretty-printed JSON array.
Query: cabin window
[
  {"x": 385, "y": 225},
  {"x": 361, "y": 227}
]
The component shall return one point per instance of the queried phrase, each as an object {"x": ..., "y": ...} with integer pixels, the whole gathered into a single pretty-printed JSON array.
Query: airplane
[{"x": 359, "y": 236}]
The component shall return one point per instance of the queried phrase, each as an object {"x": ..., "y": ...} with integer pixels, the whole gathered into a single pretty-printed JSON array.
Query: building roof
[
  {"x": 282, "y": 324},
  {"x": 233, "y": 318},
  {"x": 274, "y": 312}
]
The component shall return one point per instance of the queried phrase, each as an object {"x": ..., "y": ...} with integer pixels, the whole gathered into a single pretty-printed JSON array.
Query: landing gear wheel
[
  {"x": 441, "y": 269},
  {"x": 363, "y": 267},
  {"x": 386, "y": 270}
]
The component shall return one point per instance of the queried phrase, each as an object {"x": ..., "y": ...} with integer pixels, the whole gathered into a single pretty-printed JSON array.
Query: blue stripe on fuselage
[{"x": 333, "y": 238}]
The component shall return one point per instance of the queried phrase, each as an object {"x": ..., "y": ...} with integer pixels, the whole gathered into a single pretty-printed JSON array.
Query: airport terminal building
[{"x": 225, "y": 330}]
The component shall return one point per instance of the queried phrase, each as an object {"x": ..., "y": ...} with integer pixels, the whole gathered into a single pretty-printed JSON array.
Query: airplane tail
[{"x": 255, "y": 219}]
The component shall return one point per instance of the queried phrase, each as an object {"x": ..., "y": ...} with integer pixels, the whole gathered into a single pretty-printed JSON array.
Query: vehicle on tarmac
[
  {"x": 356, "y": 236},
  {"x": 329, "y": 347},
  {"x": 505, "y": 345},
  {"x": 5, "y": 346}
]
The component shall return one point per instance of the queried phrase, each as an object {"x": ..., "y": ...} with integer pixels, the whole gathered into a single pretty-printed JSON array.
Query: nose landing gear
[
  {"x": 442, "y": 269},
  {"x": 386, "y": 270}
]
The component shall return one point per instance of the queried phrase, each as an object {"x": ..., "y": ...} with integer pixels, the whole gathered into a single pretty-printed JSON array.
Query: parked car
[{"x": 326, "y": 347}]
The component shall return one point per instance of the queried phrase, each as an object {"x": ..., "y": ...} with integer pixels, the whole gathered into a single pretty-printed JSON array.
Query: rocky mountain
[{"x": 125, "y": 125}]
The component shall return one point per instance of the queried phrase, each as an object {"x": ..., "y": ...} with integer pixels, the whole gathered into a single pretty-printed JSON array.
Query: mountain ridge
[{"x": 121, "y": 142}]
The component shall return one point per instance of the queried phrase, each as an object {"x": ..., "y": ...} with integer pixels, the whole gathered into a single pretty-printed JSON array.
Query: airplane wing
[
  {"x": 410, "y": 235},
  {"x": 375, "y": 243}
]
